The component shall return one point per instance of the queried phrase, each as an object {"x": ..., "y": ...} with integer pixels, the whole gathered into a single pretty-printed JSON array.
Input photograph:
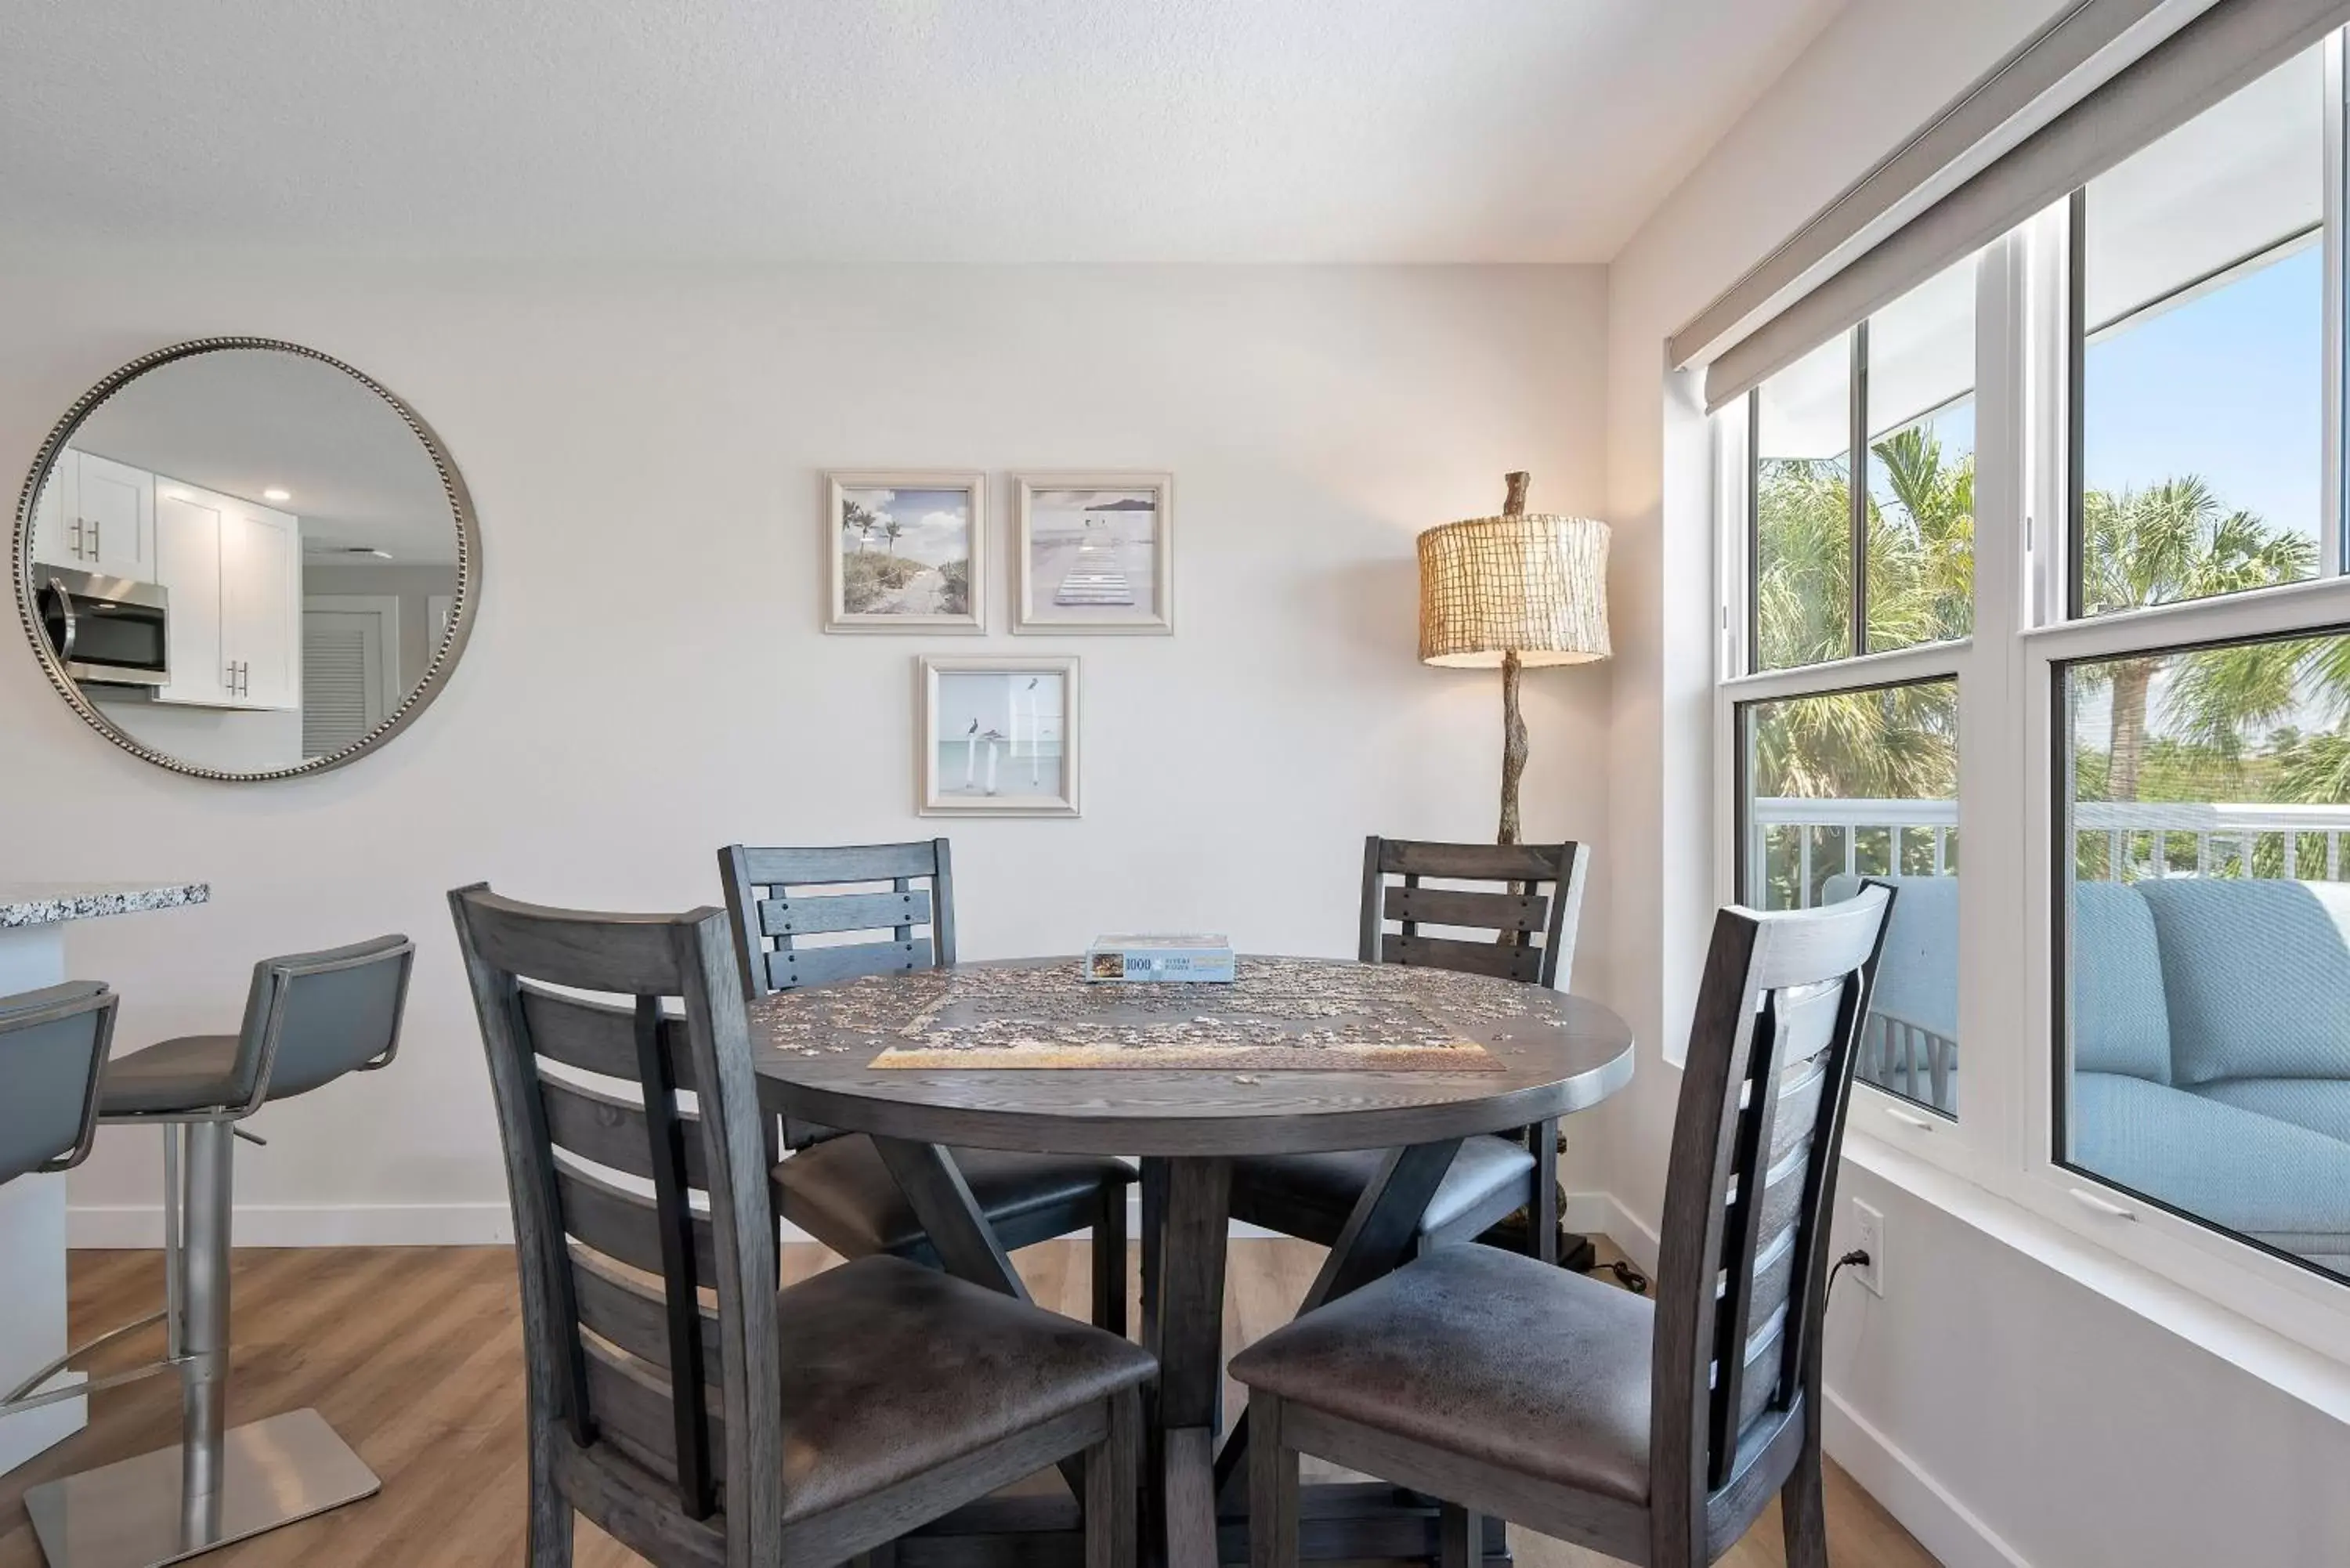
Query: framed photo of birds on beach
[
  {"x": 999, "y": 736},
  {"x": 1096, "y": 554},
  {"x": 907, "y": 551}
]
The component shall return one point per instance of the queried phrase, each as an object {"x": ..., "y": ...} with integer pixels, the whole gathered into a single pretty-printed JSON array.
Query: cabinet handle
[
  {"x": 96, "y": 550},
  {"x": 65, "y": 615},
  {"x": 73, "y": 539}
]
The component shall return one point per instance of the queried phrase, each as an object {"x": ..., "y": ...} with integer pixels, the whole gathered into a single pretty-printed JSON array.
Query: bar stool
[
  {"x": 53, "y": 1044},
  {"x": 309, "y": 1018}
]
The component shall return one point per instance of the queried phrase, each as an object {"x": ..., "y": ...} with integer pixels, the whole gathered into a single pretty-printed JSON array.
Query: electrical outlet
[{"x": 1868, "y": 1236}]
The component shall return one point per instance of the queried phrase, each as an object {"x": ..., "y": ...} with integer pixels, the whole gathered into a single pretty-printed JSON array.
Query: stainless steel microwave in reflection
[{"x": 109, "y": 631}]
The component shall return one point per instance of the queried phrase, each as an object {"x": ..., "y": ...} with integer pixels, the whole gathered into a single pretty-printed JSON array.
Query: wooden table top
[{"x": 1557, "y": 1053}]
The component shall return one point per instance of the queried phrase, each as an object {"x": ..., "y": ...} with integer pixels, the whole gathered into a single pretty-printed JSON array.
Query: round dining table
[{"x": 1544, "y": 1053}]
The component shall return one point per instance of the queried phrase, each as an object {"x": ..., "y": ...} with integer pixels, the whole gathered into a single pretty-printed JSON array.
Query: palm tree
[
  {"x": 893, "y": 528},
  {"x": 2164, "y": 544},
  {"x": 860, "y": 519}
]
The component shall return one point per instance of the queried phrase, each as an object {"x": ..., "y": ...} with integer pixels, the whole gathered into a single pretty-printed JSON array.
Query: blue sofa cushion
[
  {"x": 2120, "y": 1023},
  {"x": 2321, "y": 1104},
  {"x": 2256, "y": 975},
  {"x": 1918, "y": 977},
  {"x": 2269, "y": 1179}
]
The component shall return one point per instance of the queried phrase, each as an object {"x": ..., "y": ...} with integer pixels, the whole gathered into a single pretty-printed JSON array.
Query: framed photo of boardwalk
[
  {"x": 998, "y": 737},
  {"x": 906, "y": 551},
  {"x": 1096, "y": 554}
]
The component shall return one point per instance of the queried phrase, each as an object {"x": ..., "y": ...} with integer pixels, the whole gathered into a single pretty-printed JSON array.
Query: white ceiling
[{"x": 866, "y": 130}]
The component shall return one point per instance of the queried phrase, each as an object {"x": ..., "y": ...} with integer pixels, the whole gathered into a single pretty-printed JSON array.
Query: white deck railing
[{"x": 2141, "y": 838}]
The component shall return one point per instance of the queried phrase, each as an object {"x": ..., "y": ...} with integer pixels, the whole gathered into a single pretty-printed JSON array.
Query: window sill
[{"x": 2309, "y": 1375}]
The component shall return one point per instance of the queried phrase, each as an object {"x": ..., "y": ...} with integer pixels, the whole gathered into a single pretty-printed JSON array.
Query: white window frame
[{"x": 2009, "y": 754}]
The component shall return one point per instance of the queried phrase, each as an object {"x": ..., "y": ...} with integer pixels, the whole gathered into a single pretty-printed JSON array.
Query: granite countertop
[{"x": 47, "y": 903}]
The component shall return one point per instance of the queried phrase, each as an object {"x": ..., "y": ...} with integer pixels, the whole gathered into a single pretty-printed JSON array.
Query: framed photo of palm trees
[
  {"x": 1096, "y": 554},
  {"x": 998, "y": 737},
  {"x": 906, "y": 551}
]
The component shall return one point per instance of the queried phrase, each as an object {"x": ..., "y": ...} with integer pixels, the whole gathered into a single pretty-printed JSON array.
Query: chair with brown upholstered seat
[
  {"x": 782, "y": 1429},
  {"x": 834, "y": 1187},
  {"x": 1539, "y": 895},
  {"x": 1651, "y": 1433}
]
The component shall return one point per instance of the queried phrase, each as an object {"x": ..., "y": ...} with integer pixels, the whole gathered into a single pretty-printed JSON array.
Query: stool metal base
[{"x": 129, "y": 1514}]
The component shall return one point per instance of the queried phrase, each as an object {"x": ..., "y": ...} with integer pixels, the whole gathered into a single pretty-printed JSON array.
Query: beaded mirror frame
[{"x": 411, "y": 703}]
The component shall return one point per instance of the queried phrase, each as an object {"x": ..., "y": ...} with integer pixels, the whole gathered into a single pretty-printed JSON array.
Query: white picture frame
[
  {"x": 1121, "y": 582},
  {"x": 998, "y": 736},
  {"x": 896, "y": 505}
]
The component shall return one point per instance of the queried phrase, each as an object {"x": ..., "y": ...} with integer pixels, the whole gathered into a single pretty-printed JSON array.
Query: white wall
[
  {"x": 2006, "y": 1413},
  {"x": 647, "y": 682}
]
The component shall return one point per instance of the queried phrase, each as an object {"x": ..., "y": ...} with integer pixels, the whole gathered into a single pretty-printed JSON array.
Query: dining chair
[
  {"x": 835, "y": 1186},
  {"x": 1538, "y": 895},
  {"x": 1655, "y": 1432},
  {"x": 747, "y": 1427}
]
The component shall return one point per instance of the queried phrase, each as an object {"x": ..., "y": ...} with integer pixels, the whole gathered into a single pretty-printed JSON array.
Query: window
[
  {"x": 1921, "y": 464},
  {"x": 1843, "y": 785},
  {"x": 1906, "y": 378},
  {"x": 1803, "y": 511},
  {"x": 2149, "y": 956},
  {"x": 2200, "y": 290},
  {"x": 2207, "y": 935}
]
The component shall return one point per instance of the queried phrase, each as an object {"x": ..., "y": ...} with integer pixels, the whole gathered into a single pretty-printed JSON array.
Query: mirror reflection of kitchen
[{"x": 245, "y": 559}]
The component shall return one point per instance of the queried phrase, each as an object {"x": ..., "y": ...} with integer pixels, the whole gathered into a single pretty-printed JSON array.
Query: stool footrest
[{"x": 10, "y": 1401}]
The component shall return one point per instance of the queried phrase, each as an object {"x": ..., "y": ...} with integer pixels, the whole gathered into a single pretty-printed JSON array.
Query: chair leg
[
  {"x": 1113, "y": 1485},
  {"x": 1109, "y": 1264},
  {"x": 1802, "y": 1510},
  {"x": 1273, "y": 1487},
  {"x": 1462, "y": 1533}
]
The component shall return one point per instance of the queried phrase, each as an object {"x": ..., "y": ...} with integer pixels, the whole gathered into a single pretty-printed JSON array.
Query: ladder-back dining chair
[
  {"x": 752, "y": 1428},
  {"x": 836, "y": 1186},
  {"x": 1652, "y": 1432},
  {"x": 1525, "y": 924}
]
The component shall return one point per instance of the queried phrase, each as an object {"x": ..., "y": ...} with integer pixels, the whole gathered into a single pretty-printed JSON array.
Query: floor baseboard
[{"x": 1942, "y": 1524}]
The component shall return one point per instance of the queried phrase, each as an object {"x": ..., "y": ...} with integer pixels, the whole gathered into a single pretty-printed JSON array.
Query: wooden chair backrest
[
  {"x": 776, "y": 897},
  {"x": 623, "y": 1354},
  {"x": 1741, "y": 1276},
  {"x": 1541, "y": 897},
  {"x": 772, "y": 898}
]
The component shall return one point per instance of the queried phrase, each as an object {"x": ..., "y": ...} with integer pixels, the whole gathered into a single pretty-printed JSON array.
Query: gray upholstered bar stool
[
  {"x": 309, "y": 1018},
  {"x": 53, "y": 1044}
]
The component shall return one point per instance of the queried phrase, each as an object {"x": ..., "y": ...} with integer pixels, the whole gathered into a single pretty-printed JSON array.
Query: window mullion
[
  {"x": 2331, "y": 495},
  {"x": 1856, "y": 465}
]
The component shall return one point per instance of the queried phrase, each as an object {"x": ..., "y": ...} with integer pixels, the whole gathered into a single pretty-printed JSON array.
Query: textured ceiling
[{"x": 826, "y": 131}]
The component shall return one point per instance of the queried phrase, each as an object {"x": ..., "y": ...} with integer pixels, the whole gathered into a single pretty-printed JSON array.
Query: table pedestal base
[{"x": 1338, "y": 1521}]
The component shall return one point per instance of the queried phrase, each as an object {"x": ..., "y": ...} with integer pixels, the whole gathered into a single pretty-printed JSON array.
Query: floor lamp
[{"x": 1510, "y": 592}]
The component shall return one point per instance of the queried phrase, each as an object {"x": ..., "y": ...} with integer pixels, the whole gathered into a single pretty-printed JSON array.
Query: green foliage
[
  {"x": 955, "y": 597},
  {"x": 865, "y": 578},
  {"x": 2163, "y": 544}
]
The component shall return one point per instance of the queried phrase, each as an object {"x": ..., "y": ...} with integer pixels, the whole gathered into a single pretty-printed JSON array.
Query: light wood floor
[{"x": 414, "y": 1355}]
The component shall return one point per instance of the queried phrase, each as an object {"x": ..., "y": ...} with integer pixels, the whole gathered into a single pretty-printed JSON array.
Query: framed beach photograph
[
  {"x": 907, "y": 552},
  {"x": 998, "y": 737},
  {"x": 1095, "y": 553}
]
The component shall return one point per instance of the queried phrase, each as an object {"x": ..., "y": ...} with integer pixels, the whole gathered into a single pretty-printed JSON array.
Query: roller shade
[{"x": 2223, "y": 49}]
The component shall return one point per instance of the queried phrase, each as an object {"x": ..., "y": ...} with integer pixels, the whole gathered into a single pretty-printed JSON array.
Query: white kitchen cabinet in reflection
[
  {"x": 233, "y": 571},
  {"x": 98, "y": 515}
]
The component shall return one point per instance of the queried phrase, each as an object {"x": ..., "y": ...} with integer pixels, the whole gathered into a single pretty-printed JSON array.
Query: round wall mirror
[{"x": 241, "y": 559}]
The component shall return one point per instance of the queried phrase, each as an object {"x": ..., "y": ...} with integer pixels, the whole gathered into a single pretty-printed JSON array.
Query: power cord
[{"x": 1858, "y": 1258}]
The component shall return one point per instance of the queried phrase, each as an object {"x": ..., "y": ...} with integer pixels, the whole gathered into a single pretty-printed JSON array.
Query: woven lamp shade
[{"x": 1535, "y": 586}]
